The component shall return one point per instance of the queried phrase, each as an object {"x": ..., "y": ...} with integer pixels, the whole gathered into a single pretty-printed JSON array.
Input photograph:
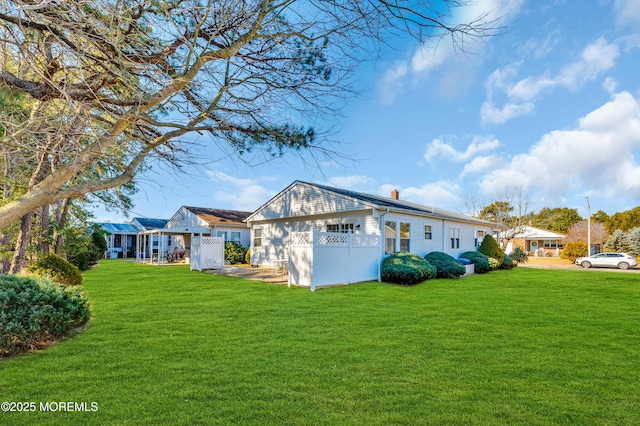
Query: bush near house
[
  {"x": 480, "y": 261},
  {"x": 234, "y": 253},
  {"x": 57, "y": 269},
  {"x": 490, "y": 248},
  {"x": 573, "y": 250},
  {"x": 446, "y": 266},
  {"x": 519, "y": 255},
  {"x": 406, "y": 268},
  {"x": 34, "y": 311},
  {"x": 508, "y": 263}
]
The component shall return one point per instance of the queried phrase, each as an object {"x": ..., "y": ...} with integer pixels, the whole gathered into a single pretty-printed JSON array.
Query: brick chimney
[{"x": 395, "y": 194}]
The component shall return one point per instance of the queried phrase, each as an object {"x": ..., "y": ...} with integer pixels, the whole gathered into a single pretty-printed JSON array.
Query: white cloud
[
  {"x": 439, "y": 52},
  {"x": 392, "y": 82},
  {"x": 597, "y": 156},
  {"x": 627, "y": 12},
  {"x": 492, "y": 114},
  {"x": 238, "y": 194},
  {"x": 481, "y": 164},
  {"x": 442, "y": 194},
  {"x": 595, "y": 59},
  {"x": 439, "y": 148}
]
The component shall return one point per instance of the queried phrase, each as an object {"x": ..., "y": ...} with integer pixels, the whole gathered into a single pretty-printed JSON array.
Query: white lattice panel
[
  {"x": 359, "y": 240},
  {"x": 301, "y": 238},
  {"x": 332, "y": 239}
]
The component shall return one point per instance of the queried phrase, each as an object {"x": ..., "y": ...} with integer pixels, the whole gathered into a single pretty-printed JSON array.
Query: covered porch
[{"x": 168, "y": 245}]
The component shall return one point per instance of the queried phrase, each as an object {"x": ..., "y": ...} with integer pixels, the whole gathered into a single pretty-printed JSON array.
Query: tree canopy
[{"x": 105, "y": 86}]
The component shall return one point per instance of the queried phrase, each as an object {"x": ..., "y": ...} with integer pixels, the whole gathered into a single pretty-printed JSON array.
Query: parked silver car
[{"x": 608, "y": 260}]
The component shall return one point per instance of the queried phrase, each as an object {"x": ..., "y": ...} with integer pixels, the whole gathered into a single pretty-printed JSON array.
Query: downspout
[
  {"x": 444, "y": 238},
  {"x": 382, "y": 243}
]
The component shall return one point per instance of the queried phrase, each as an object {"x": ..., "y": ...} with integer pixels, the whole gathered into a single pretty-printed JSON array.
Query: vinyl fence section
[
  {"x": 207, "y": 253},
  {"x": 318, "y": 259}
]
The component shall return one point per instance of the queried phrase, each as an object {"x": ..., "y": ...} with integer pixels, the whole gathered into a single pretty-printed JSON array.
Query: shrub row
[
  {"x": 447, "y": 266},
  {"x": 406, "y": 268},
  {"x": 34, "y": 311}
]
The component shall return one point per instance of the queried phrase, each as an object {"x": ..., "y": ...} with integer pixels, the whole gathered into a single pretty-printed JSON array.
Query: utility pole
[{"x": 588, "y": 227}]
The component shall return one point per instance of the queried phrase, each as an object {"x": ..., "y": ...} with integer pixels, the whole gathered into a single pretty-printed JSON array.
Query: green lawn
[{"x": 169, "y": 346}]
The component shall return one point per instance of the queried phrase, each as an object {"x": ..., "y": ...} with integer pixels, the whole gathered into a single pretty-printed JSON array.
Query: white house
[
  {"x": 187, "y": 222},
  {"x": 305, "y": 207},
  {"x": 532, "y": 240}
]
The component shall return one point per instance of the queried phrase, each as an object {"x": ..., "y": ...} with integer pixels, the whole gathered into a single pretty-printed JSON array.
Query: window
[
  {"x": 428, "y": 234},
  {"x": 257, "y": 237},
  {"x": 454, "y": 233},
  {"x": 235, "y": 237},
  {"x": 222, "y": 234},
  {"x": 340, "y": 227},
  {"x": 405, "y": 236},
  {"x": 479, "y": 237},
  {"x": 169, "y": 239},
  {"x": 550, "y": 244},
  {"x": 390, "y": 237}
]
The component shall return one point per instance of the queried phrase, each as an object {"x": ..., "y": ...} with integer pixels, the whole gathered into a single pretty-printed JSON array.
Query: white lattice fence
[
  {"x": 207, "y": 253},
  {"x": 319, "y": 259}
]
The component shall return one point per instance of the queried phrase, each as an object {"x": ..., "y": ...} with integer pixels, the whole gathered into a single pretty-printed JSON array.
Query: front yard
[{"x": 169, "y": 346}]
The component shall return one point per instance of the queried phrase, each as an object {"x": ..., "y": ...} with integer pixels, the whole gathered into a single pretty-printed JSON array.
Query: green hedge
[
  {"x": 447, "y": 266},
  {"x": 58, "y": 269},
  {"x": 480, "y": 261},
  {"x": 34, "y": 311},
  {"x": 406, "y": 268}
]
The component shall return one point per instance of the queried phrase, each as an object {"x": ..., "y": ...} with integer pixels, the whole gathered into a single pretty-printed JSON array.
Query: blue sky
[{"x": 551, "y": 107}]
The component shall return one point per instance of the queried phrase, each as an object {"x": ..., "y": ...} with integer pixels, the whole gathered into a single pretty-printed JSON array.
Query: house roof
[
  {"x": 219, "y": 216},
  {"x": 380, "y": 202},
  {"x": 533, "y": 233},
  {"x": 148, "y": 223},
  {"x": 118, "y": 228}
]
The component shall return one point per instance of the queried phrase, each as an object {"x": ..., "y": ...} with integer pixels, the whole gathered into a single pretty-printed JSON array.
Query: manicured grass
[{"x": 169, "y": 346}]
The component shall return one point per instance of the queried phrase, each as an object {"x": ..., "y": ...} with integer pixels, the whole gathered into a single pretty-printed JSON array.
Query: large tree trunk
[
  {"x": 62, "y": 222},
  {"x": 43, "y": 237},
  {"x": 20, "y": 253}
]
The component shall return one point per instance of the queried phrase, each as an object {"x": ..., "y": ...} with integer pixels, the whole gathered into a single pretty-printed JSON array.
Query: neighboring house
[
  {"x": 148, "y": 243},
  {"x": 532, "y": 240},
  {"x": 304, "y": 207},
  {"x": 121, "y": 239},
  {"x": 190, "y": 221}
]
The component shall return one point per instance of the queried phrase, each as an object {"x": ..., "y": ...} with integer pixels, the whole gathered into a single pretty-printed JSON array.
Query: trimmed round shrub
[
  {"x": 573, "y": 250},
  {"x": 58, "y": 269},
  {"x": 447, "y": 266},
  {"x": 490, "y": 248},
  {"x": 519, "y": 255},
  {"x": 234, "y": 253},
  {"x": 247, "y": 257},
  {"x": 508, "y": 263},
  {"x": 480, "y": 261},
  {"x": 406, "y": 268},
  {"x": 34, "y": 311}
]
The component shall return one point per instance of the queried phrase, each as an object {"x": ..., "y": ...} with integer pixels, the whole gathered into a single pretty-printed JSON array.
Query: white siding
[
  {"x": 275, "y": 234},
  {"x": 185, "y": 219},
  {"x": 303, "y": 200},
  {"x": 440, "y": 238}
]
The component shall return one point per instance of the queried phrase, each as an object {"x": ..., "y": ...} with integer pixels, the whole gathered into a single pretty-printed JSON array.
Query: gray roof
[
  {"x": 148, "y": 223},
  {"x": 400, "y": 205},
  {"x": 118, "y": 228}
]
